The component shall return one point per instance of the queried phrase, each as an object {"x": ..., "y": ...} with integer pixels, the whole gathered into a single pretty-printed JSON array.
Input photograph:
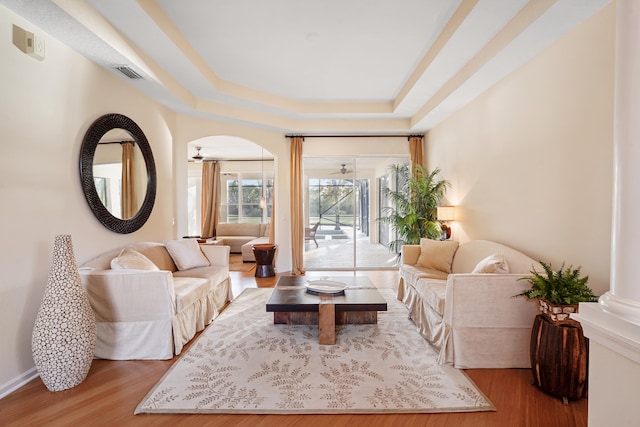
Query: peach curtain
[
  {"x": 415, "y": 149},
  {"x": 297, "y": 220},
  {"x": 128, "y": 193},
  {"x": 210, "y": 198}
]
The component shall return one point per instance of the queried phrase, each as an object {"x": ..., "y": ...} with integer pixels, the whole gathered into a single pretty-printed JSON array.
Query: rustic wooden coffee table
[{"x": 292, "y": 304}]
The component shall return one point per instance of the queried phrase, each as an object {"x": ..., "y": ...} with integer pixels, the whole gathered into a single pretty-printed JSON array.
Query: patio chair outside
[{"x": 310, "y": 233}]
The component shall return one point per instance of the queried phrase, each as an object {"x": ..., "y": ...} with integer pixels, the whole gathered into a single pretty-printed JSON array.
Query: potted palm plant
[
  {"x": 413, "y": 205},
  {"x": 558, "y": 292}
]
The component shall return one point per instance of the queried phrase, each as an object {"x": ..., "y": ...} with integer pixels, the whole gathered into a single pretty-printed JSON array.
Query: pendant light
[{"x": 263, "y": 200}]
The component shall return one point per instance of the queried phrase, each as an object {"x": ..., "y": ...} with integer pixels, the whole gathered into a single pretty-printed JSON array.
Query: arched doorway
[{"x": 246, "y": 175}]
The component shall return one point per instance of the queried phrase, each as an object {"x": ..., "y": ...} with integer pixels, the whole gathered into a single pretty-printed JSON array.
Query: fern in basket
[{"x": 564, "y": 286}]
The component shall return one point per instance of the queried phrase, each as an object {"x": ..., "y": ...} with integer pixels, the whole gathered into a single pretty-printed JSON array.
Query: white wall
[
  {"x": 46, "y": 107},
  {"x": 530, "y": 160}
]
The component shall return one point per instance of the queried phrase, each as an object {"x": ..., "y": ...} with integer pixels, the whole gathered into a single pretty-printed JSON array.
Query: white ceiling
[{"x": 311, "y": 67}]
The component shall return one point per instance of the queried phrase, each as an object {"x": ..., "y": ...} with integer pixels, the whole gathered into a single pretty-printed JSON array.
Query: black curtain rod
[
  {"x": 356, "y": 136},
  {"x": 233, "y": 160},
  {"x": 245, "y": 160},
  {"x": 117, "y": 142}
]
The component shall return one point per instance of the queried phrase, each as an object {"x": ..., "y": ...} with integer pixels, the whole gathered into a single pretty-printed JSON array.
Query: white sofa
[
  {"x": 240, "y": 237},
  {"x": 471, "y": 318},
  {"x": 149, "y": 309}
]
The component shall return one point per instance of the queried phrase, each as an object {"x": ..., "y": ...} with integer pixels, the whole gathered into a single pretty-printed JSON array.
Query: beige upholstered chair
[{"x": 310, "y": 233}]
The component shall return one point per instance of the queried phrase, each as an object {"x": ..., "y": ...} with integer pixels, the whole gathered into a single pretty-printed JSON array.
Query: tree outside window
[{"x": 243, "y": 200}]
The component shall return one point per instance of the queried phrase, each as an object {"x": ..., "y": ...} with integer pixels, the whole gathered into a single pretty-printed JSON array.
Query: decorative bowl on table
[{"x": 327, "y": 287}]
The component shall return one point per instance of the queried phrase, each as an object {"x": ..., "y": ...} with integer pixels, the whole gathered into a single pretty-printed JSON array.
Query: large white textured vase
[{"x": 64, "y": 335}]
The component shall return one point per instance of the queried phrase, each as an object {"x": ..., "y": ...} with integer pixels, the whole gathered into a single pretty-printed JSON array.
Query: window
[
  {"x": 240, "y": 194},
  {"x": 108, "y": 177},
  {"x": 331, "y": 201},
  {"x": 345, "y": 194},
  {"x": 242, "y": 201}
]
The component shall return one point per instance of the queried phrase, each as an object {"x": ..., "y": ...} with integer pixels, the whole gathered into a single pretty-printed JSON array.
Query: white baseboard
[{"x": 14, "y": 384}]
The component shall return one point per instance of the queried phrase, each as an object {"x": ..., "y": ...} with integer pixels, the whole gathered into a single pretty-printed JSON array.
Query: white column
[
  {"x": 613, "y": 325},
  {"x": 623, "y": 298}
]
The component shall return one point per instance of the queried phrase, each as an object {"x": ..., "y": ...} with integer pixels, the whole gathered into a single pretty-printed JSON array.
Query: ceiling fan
[
  {"x": 198, "y": 157},
  {"x": 343, "y": 170}
]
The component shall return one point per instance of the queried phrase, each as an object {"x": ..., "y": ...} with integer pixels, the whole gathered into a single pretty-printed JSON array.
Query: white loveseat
[
  {"x": 240, "y": 237},
  {"x": 461, "y": 298},
  {"x": 148, "y": 307}
]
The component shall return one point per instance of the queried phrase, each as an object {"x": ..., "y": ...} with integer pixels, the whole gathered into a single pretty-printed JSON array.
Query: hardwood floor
[{"x": 113, "y": 389}]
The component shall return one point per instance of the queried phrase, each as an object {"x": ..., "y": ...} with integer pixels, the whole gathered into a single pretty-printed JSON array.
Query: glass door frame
[{"x": 363, "y": 179}]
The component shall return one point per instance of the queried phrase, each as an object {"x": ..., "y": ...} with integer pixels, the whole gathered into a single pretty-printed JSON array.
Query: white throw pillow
[
  {"x": 494, "y": 264},
  {"x": 186, "y": 253},
  {"x": 130, "y": 259},
  {"x": 437, "y": 254}
]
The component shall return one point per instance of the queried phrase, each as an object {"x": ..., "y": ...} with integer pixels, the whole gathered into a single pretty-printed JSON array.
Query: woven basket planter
[{"x": 557, "y": 313}]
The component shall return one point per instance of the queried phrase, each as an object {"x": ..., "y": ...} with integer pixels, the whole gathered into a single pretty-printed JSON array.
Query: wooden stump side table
[
  {"x": 559, "y": 358},
  {"x": 264, "y": 254}
]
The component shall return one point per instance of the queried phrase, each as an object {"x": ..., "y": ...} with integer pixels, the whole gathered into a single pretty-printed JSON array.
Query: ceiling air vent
[{"x": 127, "y": 71}]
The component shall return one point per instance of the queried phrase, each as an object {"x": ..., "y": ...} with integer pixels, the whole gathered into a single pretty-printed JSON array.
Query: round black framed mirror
[{"x": 95, "y": 188}]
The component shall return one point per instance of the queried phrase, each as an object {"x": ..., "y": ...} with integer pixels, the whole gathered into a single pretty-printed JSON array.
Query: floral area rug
[{"x": 244, "y": 364}]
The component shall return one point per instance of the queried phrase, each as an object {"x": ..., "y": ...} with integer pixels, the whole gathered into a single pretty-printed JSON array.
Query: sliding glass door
[{"x": 344, "y": 198}]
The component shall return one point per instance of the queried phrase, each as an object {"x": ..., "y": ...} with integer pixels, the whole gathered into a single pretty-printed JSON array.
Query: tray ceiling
[{"x": 300, "y": 66}]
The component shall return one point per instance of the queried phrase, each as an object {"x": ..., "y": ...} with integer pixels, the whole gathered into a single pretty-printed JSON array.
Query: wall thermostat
[{"x": 29, "y": 43}]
